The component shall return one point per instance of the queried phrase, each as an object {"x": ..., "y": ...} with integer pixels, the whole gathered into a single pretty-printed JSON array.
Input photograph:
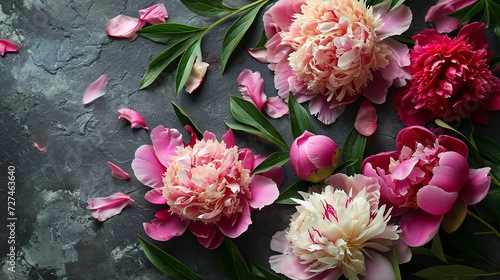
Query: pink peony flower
[
  {"x": 450, "y": 78},
  {"x": 331, "y": 52},
  {"x": 109, "y": 206},
  {"x": 7, "y": 46},
  {"x": 437, "y": 14},
  {"x": 425, "y": 178},
  {"x": 207, "y": 185},
  {"x": 338, "y": 231},
  {"x": 314, "y": 157}
]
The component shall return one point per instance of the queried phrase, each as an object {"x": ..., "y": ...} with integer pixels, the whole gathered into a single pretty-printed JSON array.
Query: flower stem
[
  {"x": 484, "y": 233},
  {"x": 235, "y": 12},
  {"x": 494, "y": 231}
]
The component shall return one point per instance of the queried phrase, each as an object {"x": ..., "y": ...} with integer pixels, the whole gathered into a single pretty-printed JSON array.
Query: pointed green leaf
[
  {"x": 299, "y": 118},
  {"x": 244, "y": 111},
  {"x": 345, "y": 164},
  {"x": 374, "y": 2},
  {"x": 495, "y": 62},
  {"x": 170, "y": 33},
  {"x": 247, "y": 129},
  {"x": 395, "y": 263},
  {"x": 437, "y": 248},
  {"x": 492, "y": 203},
  {"x": 292, "y": 192},
  {"x": 186, "y": 120},
  {"x": 488, "y": 148},
  {"x": 459, "y": 272},
  {"x": 261, "y": 273},
  {"x": 276, "y": 159},
  {"x": 354, "y": 147},
  {"x": 262, "y": 40},
  {"x": 232, "y": 261},
  {"x": 395, "y": 4},
  {"x": 467, "y": 13},
  {"x": 236, "y": 32},
  {"x": 464, "y": 244},
  {"x": 186, "y": 62},
  {"x": 207, "y": 8},
  {"x": 166, "y": 263}
]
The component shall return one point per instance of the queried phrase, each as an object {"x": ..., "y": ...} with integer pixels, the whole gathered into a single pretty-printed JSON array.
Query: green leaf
[
  {"x": 247, "y": 129},
  {"x": 395, "y": 263},
  {"x": 464, "y": 244},
  {"x": 186, "y": 120},
  {"x": 354, "y": 147},
  {"x": 374, "y": 2},
  {"x": 440, "y": 272},
  {"x": 186, "y": 62},
  {"x": 437, "y": 248},
  {"x": 467, "y": 13},
  {"x": 495, "y": 62},
  {"x": 274, "y": 160},
  {"x": 244, "y": 111},
  {"x": 299, "y": 118},
  {"x": 232, "y": 262},
  {"x": 492, "y": 203},
  {"x": 345, "y": 164},
  {"x": 207, "y": 8},
  {"x": 292, "y": 192},
  {"x": 395, "y": 4},
  {"x": 236, "y": 32},
  {"x": 166, "y": 263},
  {"x": 488, "y": 148},
  {"x": 262, "y": 273},
  {"x": 169, "y": 33},
  {"x": 262, "y": 40}
]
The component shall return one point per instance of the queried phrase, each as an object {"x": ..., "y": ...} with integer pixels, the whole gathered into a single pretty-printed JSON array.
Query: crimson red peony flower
[{"x": 451, "y": 79}]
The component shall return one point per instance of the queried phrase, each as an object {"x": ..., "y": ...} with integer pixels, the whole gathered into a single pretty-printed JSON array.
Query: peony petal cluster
[
  {"x": 429, "y": 181},
  {"x": 451, "y": 79},
  {"x": 206, "y": 184},
  {"x": 437, "y": 14},
  {"x": 338, "y": 231},
  {"x": 332, "y": 52}
]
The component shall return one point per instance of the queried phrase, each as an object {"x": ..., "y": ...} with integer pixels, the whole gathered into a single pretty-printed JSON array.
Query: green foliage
[
  {"x": 490, "y": 9},
  {"x": 232, "y": 262},
  {"x": 170, "y": 33},
  {"x": 186, "y": 120},
  {"x": 354, "y": 147},
  {"x": 299, "y": 118},
  {"x": 207, "y": 8},
  {"x": 292, "y": 192},
  {"x": 274, "y": 160},
  {"x": 459, "y": 272}
]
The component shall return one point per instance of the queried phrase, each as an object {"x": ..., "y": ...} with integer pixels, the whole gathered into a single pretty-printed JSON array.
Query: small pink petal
[
  {"x": 95, "y": 89},
  {"x": 366, "y": 120},
  {"x": 133, "y": 117},
  {"x": 7, "y": 46},
  {"x": 193, "y": 138},
  {"x": 404, "y": 169},
  {"x": 147, "y": 168},
  {"x": 260, "y": 54},
  {"x": 165, "y": 142},
  {"x": 108, "y": 206},
  {"x": 154, "y": 14},
  {"x": 117, "y": 172},
  {"x": 247, "y": 158},
  {"x": 124, "y": 27},
  {"x": 165, "y": 226},
  {"x": 275, "y": 107},
  {"x": 435, "y": 200},
  {"x": 234, "y": 227},
  {"x": 208, "y": 234},
  {"x": 207, "y": 135},
  {"x": 155, "y": 196},
  {"x": 378, "y": 267},
  {"x": 252, "y": 87},
  {"x": 321, "y": 107},
  {"x": 264, "y": 191},
  {"x": 419, "y": 227},
  {"x": 196, "y": 76},
  {"x": 477, "y": 186},
  {"x": 228, "y": 138},
  {"x": 396, "y": 21}
]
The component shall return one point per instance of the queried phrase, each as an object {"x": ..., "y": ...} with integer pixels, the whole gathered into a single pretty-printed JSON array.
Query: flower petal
[
  {"x": 147, "y": 168},
  {"x": 435, "y": 200},
  {"x": 95, "y": 89},
  {"x": 366, "y": 120},
  {"x": 247, "y": 158},
  {"x": 208, "y": 234},
  {"x": 7, "y": 46},
  {"x": 228, "y": 138},
  {"x": 234, "y": 228},
  {"x": 378, "y": 267},
  {"x": 453, "y": 144},
  {"x": 277, "y": 174},
  {"x": 477, "y": 186},
  {"x": 154, "y": 14},
  {"x": 326, "y": 114},
  {"x": 117, "y": 172},
  {"x": 275, "y": 107},
  {"x": 165, "y": 226},
  {"x": 437, "y": 14},
  {"x": 404, "y": 169},
  {"x": 453, "y": 219},
  {"x": 133, "y": 117},
  {"x": 196, "y": 76},
  {"x": 452, "y": 172},
  {"x": 252, "y": 87},
  {"x": 418, "y": 227},
  {"x": 108, "y": 206},
  {"x": 165, "y": 142},
  {"x": 264, "y": 191},
  {"x": 260, "y": 54},
  {"x": 155, "y": 196},
  {"x": 396, "y": 21},
  {"x": 124, "y": 27},
  {"x": 279, "y": 243},
  {"x": 376, "y": 90},
  {"x": 399, "y": 59}
]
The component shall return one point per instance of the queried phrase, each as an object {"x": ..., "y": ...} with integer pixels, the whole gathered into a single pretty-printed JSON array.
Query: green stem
[
  {"x": 484, "y": 233},
  {"x": 495, "y": 232},
  {"x": 235, "y": 12}
]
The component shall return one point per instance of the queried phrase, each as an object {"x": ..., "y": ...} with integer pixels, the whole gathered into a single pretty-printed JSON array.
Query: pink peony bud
[{"x": 314, "y": 157}]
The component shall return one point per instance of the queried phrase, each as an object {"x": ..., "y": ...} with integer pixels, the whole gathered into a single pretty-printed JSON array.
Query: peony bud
[{"x": 314, "y": 157}]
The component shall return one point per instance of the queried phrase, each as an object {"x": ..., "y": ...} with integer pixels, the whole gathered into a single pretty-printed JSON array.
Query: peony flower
[
  {"x": 95, "y": 89},
  {"x": 109, "y": 206},
  {"x": 7, "y": 46},
  {"x": 339, "y": 231},
  {"x": 428, "y": 179},
  {"x": 451, "y": 79},
  {"x": 314, "y": 157},
  {"x": 437, "y": 14},
  {"x": 332, "y": 52},
  {"x": 207, "y": 185}
]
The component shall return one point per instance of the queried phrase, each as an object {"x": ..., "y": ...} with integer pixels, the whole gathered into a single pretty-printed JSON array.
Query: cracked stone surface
[{"x": 62, "y": 49}]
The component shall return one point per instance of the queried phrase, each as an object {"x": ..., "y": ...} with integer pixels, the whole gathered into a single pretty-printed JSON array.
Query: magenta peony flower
[
  {"x": 429, "y": 180},
  {"x": 437, "y": 14},
  {"x": 331, "y": 52},
  {"x": 314, "y": 157},
  {"x": 338, "y": 231},
  {"x": 450, "y": 78},
  {"x": 207, "y": 185}
]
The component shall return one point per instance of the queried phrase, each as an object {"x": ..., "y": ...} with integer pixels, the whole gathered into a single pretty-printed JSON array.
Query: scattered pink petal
[
  {"x": 117, "y": 172},
  {"x": 7, "y": 46},
  {"x": 260, "y": 54},
  {"x": 133, "y": 117},
  {"x": 252, "y": 87},
  {"x": 95, "y": 89},
  {"x": 154, "y": 14},
  {"x": 109, "y": 206},
  {"x": 38, "y": 143},
  {"x": 275, "y": 107},
  {"x": 196, "y": 76},
  {"x": 366, "y": 120},
  {"x": 124, "y": 27}
]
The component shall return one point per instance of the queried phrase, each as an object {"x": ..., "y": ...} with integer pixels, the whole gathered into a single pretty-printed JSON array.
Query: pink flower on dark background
[{"x": 451, "y": 79}]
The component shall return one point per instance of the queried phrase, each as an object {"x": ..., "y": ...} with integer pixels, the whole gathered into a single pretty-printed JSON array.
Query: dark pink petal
[
  {"x": 453, "y": 144},
  {"x": 247, "y": 158},
  {"x": 133, "y": 117},
  {"x": 437, "y": 14},
  {"x": 264, "y": 191},
  {"x": 154, "y": 14},
  {"x": 419, "y": 227},
  {"x": 117, "y": 172},
  {"x": 260, "y": 54},
  {"x": 409, "y": 136},
  {"x": 452, "y": 172},
  {"x": 124, "y": 27},
  {"x": 252, "y": 87},
  {"x": 193, "y": 138},
  {"x": 7, "y": 46},
  {"x": 474, "y": 32},
  {"x": 165, "y": 226},
  {"x": 395, "y": 22},
  {"x": 378, "y": 267},
  {"x": 147, "y": 168},
  {"x": 277, "y": 174},
  {"x": 280, "y": 16},
  {"x": 165, "y": 142},
  {"x": 435, "y": 200},
  {"x": 235, "y": 226},
  {"x": 95, "y": 89},
  {"x": 207, "y": 135},
  {"x": 196, "y": 76},
  {"x": 366, "y": 120},
  {"x": 155, "y": 196},
  {"x": 228, "y": 138},
  {"x": 477, "y": 186},
  {"x": 376, "y": 90},
  {"x": 109, "y": 206},
  {"x": 275, "y": 107},
  {"x": 208, "y": 234},
  {"x": 455, "y": 217}
]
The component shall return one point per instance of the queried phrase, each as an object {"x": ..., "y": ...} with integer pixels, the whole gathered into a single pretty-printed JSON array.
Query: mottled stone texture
[{"x": 63, "y": 48}]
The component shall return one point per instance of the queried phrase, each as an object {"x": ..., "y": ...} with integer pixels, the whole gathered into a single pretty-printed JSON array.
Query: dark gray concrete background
[{"x": 63, "y": 47}]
